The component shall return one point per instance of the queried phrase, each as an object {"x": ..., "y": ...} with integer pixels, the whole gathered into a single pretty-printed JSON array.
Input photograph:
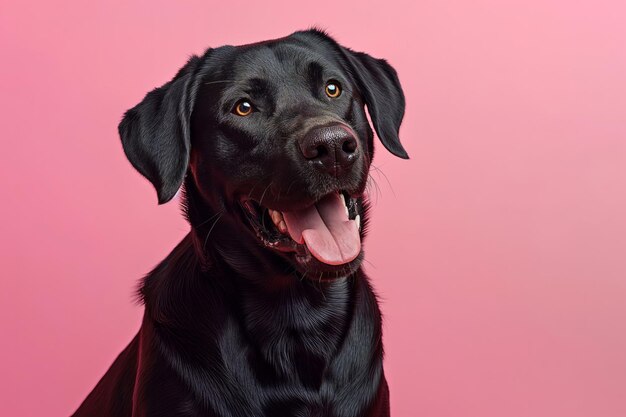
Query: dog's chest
[
  {"x": 332, "y": 370},
  {"x": 304, "y": 384}
]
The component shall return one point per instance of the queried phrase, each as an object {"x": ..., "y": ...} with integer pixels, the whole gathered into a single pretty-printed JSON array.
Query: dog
[{"x": 263, "y": 308}]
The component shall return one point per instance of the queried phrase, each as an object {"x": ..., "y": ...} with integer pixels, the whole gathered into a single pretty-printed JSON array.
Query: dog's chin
[
  {"x": 310, "y": 268},
  {"x": 308, "y": 250}
]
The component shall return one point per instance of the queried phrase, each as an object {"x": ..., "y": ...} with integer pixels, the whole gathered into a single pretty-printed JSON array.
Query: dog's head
[{"x": 273, "y": 135}]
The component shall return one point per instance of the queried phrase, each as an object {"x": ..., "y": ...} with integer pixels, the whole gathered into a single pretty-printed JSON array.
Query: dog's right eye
[{"x": 243, "y": 108}]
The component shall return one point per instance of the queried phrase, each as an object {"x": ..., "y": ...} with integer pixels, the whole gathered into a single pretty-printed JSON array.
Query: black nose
[{"x": 331, "y": 148}]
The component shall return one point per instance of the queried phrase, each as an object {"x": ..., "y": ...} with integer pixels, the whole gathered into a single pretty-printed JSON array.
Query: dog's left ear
[
  {"x": 380, "y": 87},
  {"x": 155, "y": 133}
]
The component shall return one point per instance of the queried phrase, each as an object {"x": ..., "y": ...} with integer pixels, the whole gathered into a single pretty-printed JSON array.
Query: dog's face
[{"x": 274, "y": 135}]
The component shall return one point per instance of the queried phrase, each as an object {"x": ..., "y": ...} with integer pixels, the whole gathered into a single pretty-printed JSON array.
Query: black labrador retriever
[{"x": 262, "y": 309}]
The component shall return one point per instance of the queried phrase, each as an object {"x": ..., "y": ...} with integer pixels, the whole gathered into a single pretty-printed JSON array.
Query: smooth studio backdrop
[{"x": 498, "y": 250}]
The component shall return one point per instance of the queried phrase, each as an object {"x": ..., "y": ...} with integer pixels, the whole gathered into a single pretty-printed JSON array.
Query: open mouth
[{"x": 324, "y": 236}]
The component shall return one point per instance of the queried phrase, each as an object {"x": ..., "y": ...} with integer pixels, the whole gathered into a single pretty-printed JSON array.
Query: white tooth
[
  {"x": 343, "y": 200},
  {"x": 282, "y": 227},
  {"x": 357, "y": 219},
  {"x": 276, "y": 216}
]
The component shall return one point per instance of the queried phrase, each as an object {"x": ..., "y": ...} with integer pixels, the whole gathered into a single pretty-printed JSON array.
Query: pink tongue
[{"x": 325, "y": 228}]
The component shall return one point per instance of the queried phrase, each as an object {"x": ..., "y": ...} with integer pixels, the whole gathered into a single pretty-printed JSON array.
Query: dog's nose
[{"x": 331, "y": 148}]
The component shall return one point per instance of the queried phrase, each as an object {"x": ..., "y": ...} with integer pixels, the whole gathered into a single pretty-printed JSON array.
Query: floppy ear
[
  {"x": 155, "y": 133},
  {"x": 381, "y": 90}
]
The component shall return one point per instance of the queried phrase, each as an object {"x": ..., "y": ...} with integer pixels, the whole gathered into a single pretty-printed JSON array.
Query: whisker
[
  {"x": 373, "y": 266},
  {"x": 254, "y": 186},
  {"x": 220, "y": 81},
  {"x": 209, "y": 219},
  {"x": 263, "y": 195},
  {"x": 373, "y": 184},
  {"x": 321, "y": 289},
  {"x": 210, "y": 230},
  {"x": 290, "y": 185},
  {"x": 380, "y": 171}
]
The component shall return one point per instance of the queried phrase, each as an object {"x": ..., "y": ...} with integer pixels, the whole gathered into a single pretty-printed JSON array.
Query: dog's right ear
[
  {"x": 156, "y": 135},
  {"x": 379, "y": 84}
]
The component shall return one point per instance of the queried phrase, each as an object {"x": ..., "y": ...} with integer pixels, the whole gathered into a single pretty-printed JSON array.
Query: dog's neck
[{"x": 296, "y": 324}]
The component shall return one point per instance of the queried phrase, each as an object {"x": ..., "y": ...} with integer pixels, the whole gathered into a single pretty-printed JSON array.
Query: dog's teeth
[
  {"x": 357, "y": 219},
  {"x": 343, "y": 200},
  {"x": 277, "y": 218}
]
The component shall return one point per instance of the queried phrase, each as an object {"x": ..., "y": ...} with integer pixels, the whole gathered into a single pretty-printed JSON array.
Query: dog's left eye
[
  {"x": 333, "y": 89},
  {"x": 243, "y": 108}
]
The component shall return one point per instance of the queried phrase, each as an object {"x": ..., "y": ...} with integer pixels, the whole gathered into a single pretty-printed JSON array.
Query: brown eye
[
  {"x": 333, "y": 90},
  {"x": 243, "y": 108}
]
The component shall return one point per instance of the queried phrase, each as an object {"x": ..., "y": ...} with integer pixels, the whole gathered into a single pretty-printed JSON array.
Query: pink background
[{"x": 499, "y": 249}]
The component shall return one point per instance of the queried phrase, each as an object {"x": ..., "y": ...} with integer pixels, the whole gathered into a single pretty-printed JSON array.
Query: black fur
[{"x": 233, "y": 328}]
